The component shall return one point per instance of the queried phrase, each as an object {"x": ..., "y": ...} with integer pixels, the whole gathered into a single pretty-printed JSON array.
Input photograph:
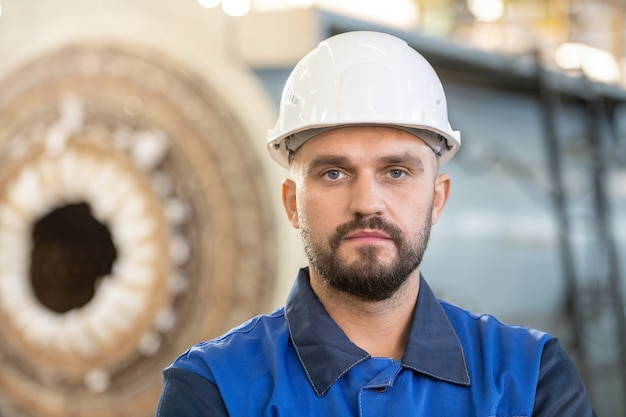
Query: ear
[
  {"x": 441, "y": 194},
  {"x": 290, "y": 202}
]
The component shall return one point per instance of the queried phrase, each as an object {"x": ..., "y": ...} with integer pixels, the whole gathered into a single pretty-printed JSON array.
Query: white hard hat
[{"x": 362, "y": 78}]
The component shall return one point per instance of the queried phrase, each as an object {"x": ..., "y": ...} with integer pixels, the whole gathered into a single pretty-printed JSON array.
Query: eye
[
  {"x": 333, "y": 174},
  {"x": 396, "y": 173}
]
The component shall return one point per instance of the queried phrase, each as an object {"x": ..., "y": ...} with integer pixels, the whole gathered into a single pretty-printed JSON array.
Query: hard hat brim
[{"x": 444, "y": 144}]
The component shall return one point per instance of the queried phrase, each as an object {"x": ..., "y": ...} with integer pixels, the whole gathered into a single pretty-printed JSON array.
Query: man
[{"x": 363, "y": 128}]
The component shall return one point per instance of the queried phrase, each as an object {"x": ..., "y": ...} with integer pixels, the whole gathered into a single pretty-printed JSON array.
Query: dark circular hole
[{"x": 71, "y": 251}]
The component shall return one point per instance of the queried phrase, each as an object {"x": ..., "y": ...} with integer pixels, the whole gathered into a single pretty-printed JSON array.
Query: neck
[{"x": 381, "y": 328}]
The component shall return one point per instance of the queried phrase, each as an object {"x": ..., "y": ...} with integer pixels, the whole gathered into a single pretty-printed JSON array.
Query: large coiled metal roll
[{"x": 133, "y": 223}]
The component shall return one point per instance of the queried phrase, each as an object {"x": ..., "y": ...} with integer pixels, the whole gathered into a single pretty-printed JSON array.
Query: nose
[{"x": 367, "y": 197}]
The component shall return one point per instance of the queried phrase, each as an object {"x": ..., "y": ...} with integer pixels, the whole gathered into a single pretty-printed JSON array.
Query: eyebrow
[
  {"x": 405, "y": 158},
  {"x": 326, "y": 160}
]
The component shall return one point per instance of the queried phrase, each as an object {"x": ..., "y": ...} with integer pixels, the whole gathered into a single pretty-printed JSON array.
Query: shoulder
[
  {"x": 487, "y": 325},
  {"x": 255, "y": 329},
  {"x": 522, "y": 357},
  {"x": 500, "y": 355},
  {"x": 489, "y": 343},
  {"x": 242, "y": 344}
]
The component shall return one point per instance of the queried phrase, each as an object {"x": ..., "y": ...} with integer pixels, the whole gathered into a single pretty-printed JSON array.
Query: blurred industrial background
[{"x": 140, "y": 214}]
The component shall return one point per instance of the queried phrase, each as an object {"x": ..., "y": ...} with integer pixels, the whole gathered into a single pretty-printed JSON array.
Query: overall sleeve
[
  {"x": 186, "y": 394},
  {"x": 560, "y": 390}
]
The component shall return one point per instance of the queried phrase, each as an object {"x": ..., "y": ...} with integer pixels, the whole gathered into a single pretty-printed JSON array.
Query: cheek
[
  {"x": 318, "y": 215},
  {"x": 416, "y": 213}
]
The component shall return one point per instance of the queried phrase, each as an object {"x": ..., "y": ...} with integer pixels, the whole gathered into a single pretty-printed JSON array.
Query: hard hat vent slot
[{"x": 290, "y": 97}]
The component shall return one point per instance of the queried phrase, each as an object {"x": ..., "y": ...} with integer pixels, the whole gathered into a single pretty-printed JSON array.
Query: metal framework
[{"x": 580, "y": 168}]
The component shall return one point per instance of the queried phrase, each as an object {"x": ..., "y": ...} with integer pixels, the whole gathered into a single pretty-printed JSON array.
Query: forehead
[{"x": 363, "y": 143}]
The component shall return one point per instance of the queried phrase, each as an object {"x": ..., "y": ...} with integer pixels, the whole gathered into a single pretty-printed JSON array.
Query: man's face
[{"x": 363, "y": 199}]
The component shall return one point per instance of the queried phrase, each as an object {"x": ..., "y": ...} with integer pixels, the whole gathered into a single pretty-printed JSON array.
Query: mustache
[{"x": 366, "y": 222}]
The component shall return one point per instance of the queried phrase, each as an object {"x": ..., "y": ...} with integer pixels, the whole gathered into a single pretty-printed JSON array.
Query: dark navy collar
[{"x": 327, "y": 354}]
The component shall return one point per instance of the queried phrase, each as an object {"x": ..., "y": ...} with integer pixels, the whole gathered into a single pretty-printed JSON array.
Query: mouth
[
  {"x": 363, "y": 231},
  {"x": 367, "y": 236}
]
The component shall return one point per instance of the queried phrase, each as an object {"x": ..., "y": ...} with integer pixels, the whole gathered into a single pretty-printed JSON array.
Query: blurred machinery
[{"x": 124, "y": 216}]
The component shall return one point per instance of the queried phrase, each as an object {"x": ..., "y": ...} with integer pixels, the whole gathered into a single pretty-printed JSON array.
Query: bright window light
[
  {"x": 236, "y": 7},
  {"x": 486, "y": 10},
  {"x": 569, "y": 55},
  {"x": 601, "y": 66},
  {"x": 597, "y": 64}
]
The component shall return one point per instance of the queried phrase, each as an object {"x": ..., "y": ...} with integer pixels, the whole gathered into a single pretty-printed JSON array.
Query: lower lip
[{"x": 367, "y": 239}]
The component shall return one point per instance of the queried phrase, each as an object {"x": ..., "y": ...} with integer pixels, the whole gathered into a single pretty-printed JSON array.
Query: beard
[{"x": 367, "y": 278}]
